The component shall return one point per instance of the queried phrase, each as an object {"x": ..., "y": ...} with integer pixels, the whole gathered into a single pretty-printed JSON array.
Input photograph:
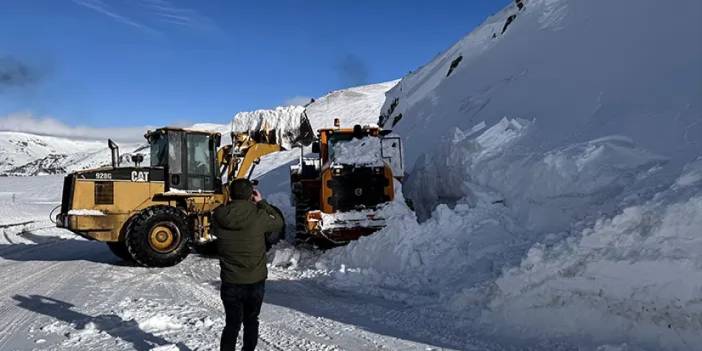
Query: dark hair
[{"x": 240, "y": 189}]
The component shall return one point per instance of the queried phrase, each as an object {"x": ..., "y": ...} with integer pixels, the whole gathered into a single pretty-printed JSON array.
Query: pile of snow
[
  {"x": 360, "y": 152},
  {"x": 635, "y": 275},
  {"x": 555, "y": 173},
  {"x": 159, "y": 322},
  {"x": 85, "y": 212},
  {"x": 356, "y": 105},
  {"x": 285, "y": 122}
]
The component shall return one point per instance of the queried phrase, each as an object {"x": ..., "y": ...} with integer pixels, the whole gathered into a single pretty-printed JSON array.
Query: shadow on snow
[
  {"x": 52, "y": 249},
  {"x": 111, "y": 324}
]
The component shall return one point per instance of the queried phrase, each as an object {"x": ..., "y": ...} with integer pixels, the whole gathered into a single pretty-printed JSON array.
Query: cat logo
[
  {"x": 140, "y": 176},
  {"x": 358, "y": 191}
]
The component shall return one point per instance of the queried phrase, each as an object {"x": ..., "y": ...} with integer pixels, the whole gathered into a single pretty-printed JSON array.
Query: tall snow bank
[
  {"x": 543, "y": 190},
  {"x": 583, "y": 70},
  {"x": 635, "y": 275},
  {"x": 435, "y": 259},
  {"x": 574, "y": 198}
]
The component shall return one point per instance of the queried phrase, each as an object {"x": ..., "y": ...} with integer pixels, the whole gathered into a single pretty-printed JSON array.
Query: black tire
[
  {"x": 120, "y": 250},
  {"x": 302, "y": 206},
  {"x": 146, "y": 230},
  {"x": 302, "y": 236}
]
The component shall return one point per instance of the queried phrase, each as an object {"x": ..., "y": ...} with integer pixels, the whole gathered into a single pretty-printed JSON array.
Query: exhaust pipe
[{"x": 115, "y": 152}]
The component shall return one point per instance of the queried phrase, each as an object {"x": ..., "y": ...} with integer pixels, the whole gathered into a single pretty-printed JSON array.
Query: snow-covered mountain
[{"x": 31, "y": 154}]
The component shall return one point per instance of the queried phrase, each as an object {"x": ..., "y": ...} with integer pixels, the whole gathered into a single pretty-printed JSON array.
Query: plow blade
[{"x": 342, "y": 227}]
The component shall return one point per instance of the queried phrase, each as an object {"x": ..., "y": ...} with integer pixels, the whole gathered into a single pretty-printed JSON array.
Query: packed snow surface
[{"x": 61, "y": 292}]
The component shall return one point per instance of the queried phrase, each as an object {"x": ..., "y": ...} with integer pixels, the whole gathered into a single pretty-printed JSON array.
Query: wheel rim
[{"x": 164, "y": 237}]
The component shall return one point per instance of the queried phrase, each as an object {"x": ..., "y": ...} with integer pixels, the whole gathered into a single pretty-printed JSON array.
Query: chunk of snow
[
  {"x": 85, "y": 212},
  {"x": 351, "y": 219},
  {"x": 175, "y": 191},
  {"x": 359, "y": 152},
  {"x": 169, "y": 347},
  {"x": 159, "y": 322}
]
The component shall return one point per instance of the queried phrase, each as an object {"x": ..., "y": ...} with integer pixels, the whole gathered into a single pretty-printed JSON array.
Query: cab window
[
  {"x": 159, "y": 151},
  {"x": 200, "y": 162}
]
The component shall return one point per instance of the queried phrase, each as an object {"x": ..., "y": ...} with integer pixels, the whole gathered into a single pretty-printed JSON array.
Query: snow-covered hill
[
  {"x": 357, "y": 105},
  {"x": 30, "y": 154}
]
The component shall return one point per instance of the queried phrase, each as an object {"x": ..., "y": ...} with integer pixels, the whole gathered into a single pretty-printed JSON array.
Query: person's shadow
[{"x": 112, "y": 324}]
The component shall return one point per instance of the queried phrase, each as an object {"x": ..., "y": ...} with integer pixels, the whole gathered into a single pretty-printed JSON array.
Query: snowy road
[{"x": 60, "y": 292}]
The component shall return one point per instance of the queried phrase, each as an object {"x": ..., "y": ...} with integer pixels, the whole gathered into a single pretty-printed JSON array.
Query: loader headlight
[
  {"x": 337, "y": 171},
  {"x": 378, "y": 170}
]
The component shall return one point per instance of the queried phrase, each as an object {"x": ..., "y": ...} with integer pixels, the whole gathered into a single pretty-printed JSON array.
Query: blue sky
[{"x": 102, "y": 63}]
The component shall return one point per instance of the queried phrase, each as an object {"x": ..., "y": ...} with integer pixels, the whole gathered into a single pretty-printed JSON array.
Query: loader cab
[
  {"x": 188, "y": 158},
  {"x": 390, "y": 145}
]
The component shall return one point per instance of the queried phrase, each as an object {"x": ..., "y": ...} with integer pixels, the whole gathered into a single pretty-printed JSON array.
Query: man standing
[{"x": 240, "y": 227}]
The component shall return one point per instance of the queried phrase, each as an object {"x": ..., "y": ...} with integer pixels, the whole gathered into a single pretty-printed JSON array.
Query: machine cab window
[
  {"x": 200, "y": 162},
  {"x": 188, "y": 156},
  {"x": 159, "y": 150}
]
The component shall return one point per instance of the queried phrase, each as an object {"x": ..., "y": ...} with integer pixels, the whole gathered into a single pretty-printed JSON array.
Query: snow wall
[{"x": 556, "y": 177}]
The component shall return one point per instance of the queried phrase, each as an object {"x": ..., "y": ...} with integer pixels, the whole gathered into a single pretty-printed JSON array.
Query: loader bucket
[
  {"x": 305, "y": 135},
  {"x": 287, "y": 127}
]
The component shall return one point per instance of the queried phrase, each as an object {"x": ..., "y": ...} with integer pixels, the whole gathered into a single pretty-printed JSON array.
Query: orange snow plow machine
[{"x": 339, "y": 190}]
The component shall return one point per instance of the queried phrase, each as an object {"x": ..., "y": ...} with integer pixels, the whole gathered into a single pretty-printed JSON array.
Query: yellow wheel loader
[
  {"x": 338, "y": 191},
  {"x": 154, "y": 214}
]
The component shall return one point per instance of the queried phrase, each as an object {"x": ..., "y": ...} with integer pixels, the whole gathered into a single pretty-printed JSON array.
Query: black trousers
[{"x": 242, "y": 304}]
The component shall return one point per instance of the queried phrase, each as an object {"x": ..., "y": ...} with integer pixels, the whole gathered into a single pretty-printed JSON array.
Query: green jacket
[{"x": 240, "y": 227}]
